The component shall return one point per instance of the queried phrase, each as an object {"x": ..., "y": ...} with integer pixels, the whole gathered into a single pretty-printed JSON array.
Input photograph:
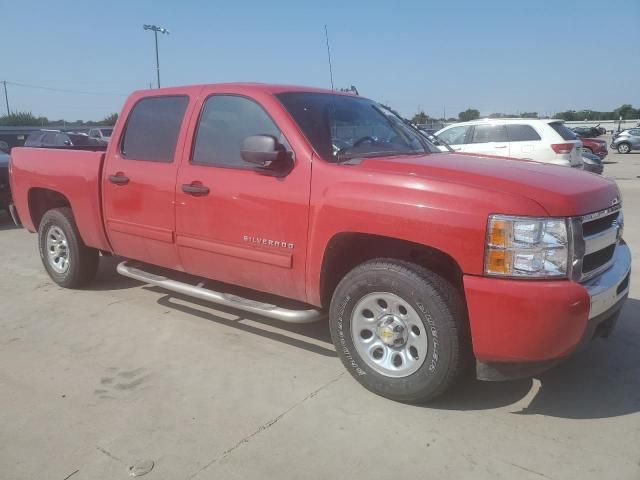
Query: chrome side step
[
  {"x": 229, "y": 300},
  {"x": 14, "y": 215}
]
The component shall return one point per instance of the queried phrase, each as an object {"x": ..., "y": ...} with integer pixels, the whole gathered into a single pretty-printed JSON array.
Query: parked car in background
[
  {"x": 587, "y": 132},
  {"x": 626, "y": 140},
  {"x": 102, "y": 135},
  {"x": 5, "y": 191},
  {"x": 56, "y": 138},
  {"x": 427, "y": 130},
  {"x": 592, "y": 163},
  {"x": 546, "y": 141},
  {"x": 595, "y": 146}
]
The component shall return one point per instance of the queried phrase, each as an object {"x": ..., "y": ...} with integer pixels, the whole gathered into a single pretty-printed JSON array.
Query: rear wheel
[
  {"x": 68, "y": 261},
  {"x": 400, "y": 330},
  {"x": 624, "y": 148}
]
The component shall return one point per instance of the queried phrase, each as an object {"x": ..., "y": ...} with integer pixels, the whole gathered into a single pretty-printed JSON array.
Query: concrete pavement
[{"x": 93, "y": 381}]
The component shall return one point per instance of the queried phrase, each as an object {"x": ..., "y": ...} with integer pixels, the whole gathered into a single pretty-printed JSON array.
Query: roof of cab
[{"x": 261, "y": 87}]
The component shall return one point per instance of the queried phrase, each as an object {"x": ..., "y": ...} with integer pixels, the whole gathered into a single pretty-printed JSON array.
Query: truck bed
[{"x": 74, "y": 173}]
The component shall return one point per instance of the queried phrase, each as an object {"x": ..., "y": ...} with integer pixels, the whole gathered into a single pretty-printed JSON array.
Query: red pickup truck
[{"x": 329, "y": 204}]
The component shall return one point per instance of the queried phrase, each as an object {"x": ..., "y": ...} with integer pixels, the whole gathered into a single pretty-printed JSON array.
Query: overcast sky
[{"x": 495, "y": 56}]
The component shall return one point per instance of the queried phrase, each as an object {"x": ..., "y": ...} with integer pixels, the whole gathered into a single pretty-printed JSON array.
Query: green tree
[
  {"x": 625, "y": 111},
  {"x": 420, "y": 118},
  {"x": 529, "y": 115},
  {"x": 569, "y": 115},
  {"x": 23, "y": 119},
  {"x": 469, "y": 114},
  {"x": 110, "y": 119}
]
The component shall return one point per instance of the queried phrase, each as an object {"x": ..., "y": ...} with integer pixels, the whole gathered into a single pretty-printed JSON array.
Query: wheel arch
[
  {"x": 41, "y": 200},
  {"x": 346, "y": 250}
]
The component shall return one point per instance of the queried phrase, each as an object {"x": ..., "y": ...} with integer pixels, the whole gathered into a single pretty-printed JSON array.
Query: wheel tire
[
  {"x": 440, "y": 308},
  {"x": 82, "y": 263},
  {"x": 624, "y": 148}
]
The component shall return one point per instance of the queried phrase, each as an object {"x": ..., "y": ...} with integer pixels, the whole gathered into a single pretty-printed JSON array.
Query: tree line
[
  {"x": 625, "y": 111},
  {"x": 28, "y": 119}
]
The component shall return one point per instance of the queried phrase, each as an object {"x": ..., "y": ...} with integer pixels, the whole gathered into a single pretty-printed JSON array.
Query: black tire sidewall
[
  {"x": 428, "y": 380},
  {"x": 72, "y": 276}
]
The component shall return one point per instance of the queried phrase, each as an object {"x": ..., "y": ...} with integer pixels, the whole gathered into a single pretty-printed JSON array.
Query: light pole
[{"x": 155, "y": 29}]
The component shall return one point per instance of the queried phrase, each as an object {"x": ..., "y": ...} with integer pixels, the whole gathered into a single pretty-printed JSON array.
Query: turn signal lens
[
  {"x": 497, "y": 233},
  {"x": 498, "y": 262}
]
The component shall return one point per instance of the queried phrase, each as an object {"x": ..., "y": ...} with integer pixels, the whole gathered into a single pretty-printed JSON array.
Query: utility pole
[
  {"x": 155, "y": 29},
  {"x": 6, "y": 97}
]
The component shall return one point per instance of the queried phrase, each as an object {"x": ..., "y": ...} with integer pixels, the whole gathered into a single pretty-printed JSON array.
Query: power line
[{"x": 63, "y": 90}]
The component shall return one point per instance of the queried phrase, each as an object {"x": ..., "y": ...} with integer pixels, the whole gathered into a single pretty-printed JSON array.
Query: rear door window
[
  {"x": 489, "y": 133},
  {"x": 563, "y": 131},
  {"x": 152, "y": 128},
  {"x": 522, "y": 133}
]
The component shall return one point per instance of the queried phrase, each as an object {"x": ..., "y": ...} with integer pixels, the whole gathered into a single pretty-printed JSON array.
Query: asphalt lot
[{"x": 93, "y": 381}]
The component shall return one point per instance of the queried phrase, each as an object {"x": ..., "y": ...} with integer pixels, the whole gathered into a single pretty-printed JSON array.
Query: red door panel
[
  {"x": 139, "y": 187},
  {"x": 250, "y": 229}
]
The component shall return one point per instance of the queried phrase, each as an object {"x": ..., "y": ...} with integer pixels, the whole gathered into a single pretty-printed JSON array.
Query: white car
[
  {"x": 102, "y": 134},
  {"x": 546, "y": 141}
]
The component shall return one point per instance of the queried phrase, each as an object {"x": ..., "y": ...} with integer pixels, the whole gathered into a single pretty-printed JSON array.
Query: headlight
[{"x": 526, "y": 247}]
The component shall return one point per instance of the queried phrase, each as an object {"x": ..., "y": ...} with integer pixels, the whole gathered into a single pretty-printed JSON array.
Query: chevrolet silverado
[{"x": 426, "y": 263}]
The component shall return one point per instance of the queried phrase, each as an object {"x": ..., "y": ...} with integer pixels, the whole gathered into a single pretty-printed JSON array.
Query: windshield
[
  {"x": 341, "y": 127},
  {"x": 106, "y": 132}
]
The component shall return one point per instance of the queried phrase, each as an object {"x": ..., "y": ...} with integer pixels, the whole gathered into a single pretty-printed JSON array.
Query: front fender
[{"x": 447, "y": 216}]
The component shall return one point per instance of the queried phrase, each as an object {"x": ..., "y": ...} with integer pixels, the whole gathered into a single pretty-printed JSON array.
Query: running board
[{"x": 229, "y": 300}]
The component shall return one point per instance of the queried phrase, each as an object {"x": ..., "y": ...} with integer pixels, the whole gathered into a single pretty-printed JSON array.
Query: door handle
[
  {"x": 195, "y": 189},
  {"x": 119, "y": 179},
  {"x": 500, "y": 146}
]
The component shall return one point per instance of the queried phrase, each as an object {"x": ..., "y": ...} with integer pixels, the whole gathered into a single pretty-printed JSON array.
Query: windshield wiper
[{"x": 344, "y": 157}]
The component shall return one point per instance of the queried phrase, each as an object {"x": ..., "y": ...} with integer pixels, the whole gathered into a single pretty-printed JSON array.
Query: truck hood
[{"x": 561, "y": 191}]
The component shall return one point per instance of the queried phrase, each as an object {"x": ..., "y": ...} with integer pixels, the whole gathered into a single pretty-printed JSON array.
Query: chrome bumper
[{"x": 610, "y": 286}]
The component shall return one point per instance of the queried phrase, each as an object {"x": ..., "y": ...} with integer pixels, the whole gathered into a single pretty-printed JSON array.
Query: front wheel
[
  {"x": 68, "y": 261},
  {"x": 400, "y": 329},
  {"x": 624, "y": 148}
]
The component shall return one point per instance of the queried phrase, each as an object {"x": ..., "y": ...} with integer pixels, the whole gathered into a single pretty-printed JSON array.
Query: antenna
[{"x": 326, "y": 36}]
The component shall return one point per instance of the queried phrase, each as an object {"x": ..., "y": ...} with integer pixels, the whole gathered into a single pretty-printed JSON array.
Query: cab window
[
  {"x": 225, "y": 121},
  {"x": 151, "y": 132}
]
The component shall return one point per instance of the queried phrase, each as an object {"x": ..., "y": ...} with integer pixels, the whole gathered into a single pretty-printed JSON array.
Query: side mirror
[
  {"x": 4, "y": 147},
  {"x": 67, "y": 142},
  {"x": 267, "y": 153}
]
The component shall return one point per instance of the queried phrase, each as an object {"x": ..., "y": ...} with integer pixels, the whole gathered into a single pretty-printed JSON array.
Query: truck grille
[{"x": 595, "y": 237}]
